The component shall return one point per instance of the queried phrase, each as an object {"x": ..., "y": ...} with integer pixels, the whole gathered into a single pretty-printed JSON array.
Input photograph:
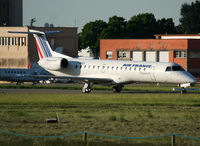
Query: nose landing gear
[
  {"x": 183, "y": 90},
  {"x": 86, "y": 88}
]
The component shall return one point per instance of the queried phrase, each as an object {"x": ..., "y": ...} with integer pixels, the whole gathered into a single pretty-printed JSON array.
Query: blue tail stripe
[
  {"x": 43, "y": 48},
  {"x": 48, "y": 49},
  {"x": 40, "y": 44}
]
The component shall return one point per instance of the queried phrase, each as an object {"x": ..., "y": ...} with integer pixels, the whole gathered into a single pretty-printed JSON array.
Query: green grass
[
  {"x": 129, "y": 115},
  {"x": 101, "y": 99}
]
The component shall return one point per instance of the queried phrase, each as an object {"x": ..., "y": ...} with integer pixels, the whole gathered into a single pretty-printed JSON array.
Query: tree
[
  {"x": 190, "y": 17},
  {"x": 166, "y": 26},
  {"x": 89, "y": 37},
  {"x": 115, "y": 28},
  {"x": 141, "y": 26}
]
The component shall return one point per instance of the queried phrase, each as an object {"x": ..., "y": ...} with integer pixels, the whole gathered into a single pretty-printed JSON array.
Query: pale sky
[{"x": 76, "y": 13}]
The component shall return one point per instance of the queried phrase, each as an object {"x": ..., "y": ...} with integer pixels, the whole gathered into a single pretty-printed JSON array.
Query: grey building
[{"x": 11, "y": 12}]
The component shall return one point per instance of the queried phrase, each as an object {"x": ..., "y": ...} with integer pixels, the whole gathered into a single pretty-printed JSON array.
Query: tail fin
[{"x": 43, "y": 47}]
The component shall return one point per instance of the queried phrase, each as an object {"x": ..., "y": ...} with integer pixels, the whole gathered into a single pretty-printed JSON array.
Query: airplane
[
  {"x": 23, "y": 75},
  {"x": 107, "y": 72}
]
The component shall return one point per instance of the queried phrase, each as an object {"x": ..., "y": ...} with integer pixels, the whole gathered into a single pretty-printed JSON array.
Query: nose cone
[{"x": 190, "y": 78}]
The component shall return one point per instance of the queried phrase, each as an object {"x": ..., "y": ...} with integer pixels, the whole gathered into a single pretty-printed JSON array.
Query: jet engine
[{"x": 53, "y": 63}]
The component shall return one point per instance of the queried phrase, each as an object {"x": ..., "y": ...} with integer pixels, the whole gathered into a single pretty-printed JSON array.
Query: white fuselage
[{"x": 124, "y": 71}]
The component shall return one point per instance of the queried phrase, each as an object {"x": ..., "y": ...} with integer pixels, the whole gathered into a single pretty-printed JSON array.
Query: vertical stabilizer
[{"x": 43, "y": 47}]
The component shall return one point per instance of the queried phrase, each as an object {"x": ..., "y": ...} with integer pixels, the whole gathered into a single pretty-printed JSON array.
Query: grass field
[{"x": 129, "y": 115}]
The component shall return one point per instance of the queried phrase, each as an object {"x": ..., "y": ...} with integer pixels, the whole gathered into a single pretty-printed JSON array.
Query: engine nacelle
[{"x": 53, "y": 63}]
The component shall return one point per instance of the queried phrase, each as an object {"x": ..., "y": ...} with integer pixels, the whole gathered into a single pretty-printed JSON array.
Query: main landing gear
[
  {"x": 117, "y": 88},
  {"x": 86, "y": 88}
]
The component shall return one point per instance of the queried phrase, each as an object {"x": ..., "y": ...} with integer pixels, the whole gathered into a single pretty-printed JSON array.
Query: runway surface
[{"x": 64, "y": 91}]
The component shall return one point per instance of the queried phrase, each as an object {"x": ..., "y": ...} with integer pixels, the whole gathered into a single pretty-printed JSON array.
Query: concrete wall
[{"x": 13, "y": 54}]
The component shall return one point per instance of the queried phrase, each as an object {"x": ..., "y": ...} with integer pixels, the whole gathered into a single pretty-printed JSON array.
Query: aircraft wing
[{"x": 83, "y": 79}]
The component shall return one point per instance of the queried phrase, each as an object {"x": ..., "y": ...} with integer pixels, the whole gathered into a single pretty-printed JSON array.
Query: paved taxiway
[{"x": 64, "y": 91}]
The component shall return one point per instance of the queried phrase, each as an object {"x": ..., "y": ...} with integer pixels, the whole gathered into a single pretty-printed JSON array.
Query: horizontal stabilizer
[
  {"x": 35, "y": 32},
  {"x": 25, "y": 32}
]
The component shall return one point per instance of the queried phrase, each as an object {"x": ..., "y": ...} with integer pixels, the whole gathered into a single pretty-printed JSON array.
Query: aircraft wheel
[
  {"x": 116, "y": 89},
  {"x": 86, "y": 90},
  {"x": 183, "y": 91}
]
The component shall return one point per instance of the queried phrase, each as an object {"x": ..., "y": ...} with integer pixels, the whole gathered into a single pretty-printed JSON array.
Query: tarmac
[{"x": 64, "y": 91}]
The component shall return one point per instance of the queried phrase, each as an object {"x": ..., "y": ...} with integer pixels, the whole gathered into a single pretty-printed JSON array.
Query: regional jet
[
  {"x": 23, "y": 75},
  {"x": 109, "y": 72}
]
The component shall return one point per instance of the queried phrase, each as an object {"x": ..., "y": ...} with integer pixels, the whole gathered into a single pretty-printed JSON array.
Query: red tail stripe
[{"x": 38, "y": 48}]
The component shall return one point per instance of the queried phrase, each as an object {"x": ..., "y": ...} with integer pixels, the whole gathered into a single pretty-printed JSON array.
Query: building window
[
  {"x": 11, "y": 41},
  {"x": 3, "y": 41},
  {"x": 109, "y": 54},
  {"x": 179, "y": 54},
  {"x": 123, "y": 55},
  {"x": 23, "y": 41}
]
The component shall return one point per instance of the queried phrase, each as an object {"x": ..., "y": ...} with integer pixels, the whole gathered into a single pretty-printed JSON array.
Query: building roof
[{"x": 177, "y": 36}]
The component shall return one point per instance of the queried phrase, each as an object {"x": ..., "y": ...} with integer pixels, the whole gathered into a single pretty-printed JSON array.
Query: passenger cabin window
[{"x": 174, "y": 68}]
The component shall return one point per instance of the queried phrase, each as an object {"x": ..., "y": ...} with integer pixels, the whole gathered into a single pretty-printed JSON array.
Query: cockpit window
[
  {"x": 177, "y": 68},
  {"x": 169, "y": 68},
  {"x": 174, "y": 68}
]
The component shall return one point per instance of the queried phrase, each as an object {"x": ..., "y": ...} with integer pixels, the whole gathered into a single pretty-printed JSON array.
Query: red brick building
[{"x": 181, "y": 49}]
